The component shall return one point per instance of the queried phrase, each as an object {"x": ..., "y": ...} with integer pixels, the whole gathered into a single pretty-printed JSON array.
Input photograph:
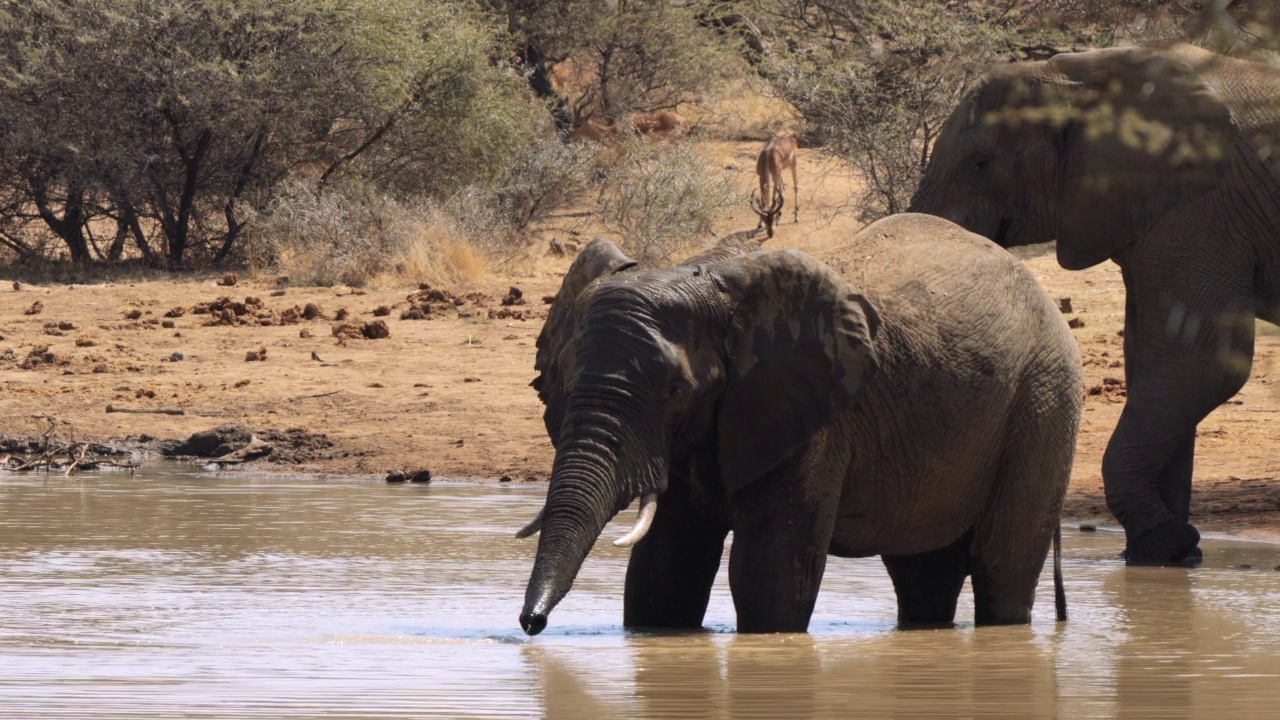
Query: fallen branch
[
  {"x": 84, "y": 450},
  {"x": 318, "y": 395},
  {"x": 146, "y": 411}
]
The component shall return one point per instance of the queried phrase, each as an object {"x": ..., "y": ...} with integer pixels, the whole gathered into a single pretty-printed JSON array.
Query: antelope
[
  {"x": 768, "y": 216},
  {"x": 778, "y": 154},
  {"x": 661, "y": 123}
]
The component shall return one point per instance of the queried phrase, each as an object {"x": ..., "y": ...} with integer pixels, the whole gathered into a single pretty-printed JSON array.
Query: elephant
[
  {"x": 1164, "y": 161},
  {"x": 921, "y": 406}
]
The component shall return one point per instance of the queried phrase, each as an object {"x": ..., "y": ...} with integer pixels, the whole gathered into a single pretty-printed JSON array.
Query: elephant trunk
[
  {"x": 589, "y": 485},
  {"x": 576, "y": 512}
]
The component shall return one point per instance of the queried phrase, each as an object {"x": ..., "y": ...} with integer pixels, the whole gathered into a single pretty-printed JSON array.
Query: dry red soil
[{"x": 448, "y": 390}]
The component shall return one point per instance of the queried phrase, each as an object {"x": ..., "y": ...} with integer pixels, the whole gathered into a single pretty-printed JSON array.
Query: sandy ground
[{"x": 449, "y": 392}]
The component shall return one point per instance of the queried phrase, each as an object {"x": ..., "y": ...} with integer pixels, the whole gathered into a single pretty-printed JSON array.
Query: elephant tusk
[
  {"x": 648, "y": 508},
  {"x": 533, "y": 528}
]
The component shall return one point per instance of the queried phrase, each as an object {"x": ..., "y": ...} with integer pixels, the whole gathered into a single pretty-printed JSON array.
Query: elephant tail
[{"x": 1059, "y": 594}]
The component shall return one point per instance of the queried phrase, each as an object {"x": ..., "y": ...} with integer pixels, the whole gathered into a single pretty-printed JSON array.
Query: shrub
[
  {"x": 351, "y": 233},
  {"x": 660, "y": 197}
]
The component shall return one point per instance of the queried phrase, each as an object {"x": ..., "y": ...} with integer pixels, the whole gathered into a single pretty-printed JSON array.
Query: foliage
[
  {"x": 651, "y": 56},
  {"x": 169, "y": 119},
  {"x": 351, "y": 233},
  {"x": 661, "y": 196},
  {"x": 879, "y": 99}
]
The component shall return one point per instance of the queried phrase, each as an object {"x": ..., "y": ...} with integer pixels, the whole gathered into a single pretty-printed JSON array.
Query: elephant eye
[
  {"x": 980, "y": 164},
  {"x": 677, "y": 388}
]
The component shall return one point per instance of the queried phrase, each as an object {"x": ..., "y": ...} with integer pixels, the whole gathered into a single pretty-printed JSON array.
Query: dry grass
[
  {"x": 438, "y": 255},
  {"x": 745, "y": 111},
  {"x": 350, "y": 235}
]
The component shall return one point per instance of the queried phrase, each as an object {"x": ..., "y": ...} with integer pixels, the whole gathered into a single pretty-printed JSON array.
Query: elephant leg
[
  {"x": 1189, "y": 338},
  {"x": 1024, "y": 508},
  {"x": 928, "y": 584},
  {"x": 671, "y": 570},
  {"x": 782, "y": 527},
  {"x": 1162, "y": 535}
]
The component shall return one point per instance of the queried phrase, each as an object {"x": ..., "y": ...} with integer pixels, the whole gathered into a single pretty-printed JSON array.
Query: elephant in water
[
  {"x": 1165, "y": 161},
  {"x": 923, "y": 407}
]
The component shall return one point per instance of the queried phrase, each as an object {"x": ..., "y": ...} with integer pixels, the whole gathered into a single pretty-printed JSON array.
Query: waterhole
[{"x": 181, "y": 595}]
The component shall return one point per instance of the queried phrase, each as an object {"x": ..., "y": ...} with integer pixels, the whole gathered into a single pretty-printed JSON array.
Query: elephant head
[
  {"x": 1088, "y": 149},
  {"x": 742, "y": 356}
]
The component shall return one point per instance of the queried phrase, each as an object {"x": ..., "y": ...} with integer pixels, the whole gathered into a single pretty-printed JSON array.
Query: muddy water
[{"x": 186, "y": 596}]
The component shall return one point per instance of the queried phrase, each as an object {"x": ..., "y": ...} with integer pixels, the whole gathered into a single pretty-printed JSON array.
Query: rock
[
  {"x": 548, "y": 299},
  {"x": 1075, "y": 322},
  {"x": 397, "y": 476},
  {"x": 304, "y": 333},
  {"x": 376, "y": 330},
  {"x": 219, "y": 441},
  {"x": 277, "y": 293},
  {"x": 169, "y": 324},
  {"x": 504, "y": 479},
  {"x": 514, "y": 296},
  {"x": 555, "y": 247},
  {"x": 85, "y": 341},
  {"x": 421, "y": 475},
  {"x": 17, "y": 286},
  {"x": 177, "y": 357},
  {"x": 470, "y": 379},
  {"x": 1064, "y": 305},
  {"x": 312, "y": 312},
  {"x": 258, "y": 355},
  {"x": 1088, "y": 527},
  {"x": 175, "y": 312},
  {"x": 228, "y": 280},
  {"x": 341, "y": 315},
  {"x": 99, "y": 369},
  {"x": 382, "y": 311},
  {"x": 65, "y": 325},
  {"x": 36, "y": 308}
]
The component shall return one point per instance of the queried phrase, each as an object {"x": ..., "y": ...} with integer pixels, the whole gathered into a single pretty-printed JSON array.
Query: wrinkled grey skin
[
  {"x": 1188, "y": 206},
  {"x": 921, "y": 406}
]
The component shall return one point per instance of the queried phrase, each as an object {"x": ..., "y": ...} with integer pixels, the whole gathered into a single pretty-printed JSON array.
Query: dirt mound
[
  {"x": 348, "y": 330},
  {"x": 292, "y": 446},
  {"x": 39, "y": 356},
  {"x": 428, "y": 301},
  {"x": 509, "y": 313},
  {"x": 297, "y": 445},
  {"x": 217, "y": 442},
  {"x": 514, "y": 296},
  {"x": 1112, "y": 390}
]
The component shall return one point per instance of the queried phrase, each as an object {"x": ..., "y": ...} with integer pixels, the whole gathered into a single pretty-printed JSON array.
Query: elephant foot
[{"x": 1171, "y": 543}]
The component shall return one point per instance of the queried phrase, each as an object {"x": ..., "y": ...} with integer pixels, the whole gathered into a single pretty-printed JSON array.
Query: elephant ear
[
  {"x": 798, "y": 352},
  {"x": 600, "y": 258},
  {"x": 1148, "y": 136}
]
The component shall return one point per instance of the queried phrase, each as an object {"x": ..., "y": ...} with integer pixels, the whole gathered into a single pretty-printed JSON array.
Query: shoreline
[{"x": 1260, "y": 527}]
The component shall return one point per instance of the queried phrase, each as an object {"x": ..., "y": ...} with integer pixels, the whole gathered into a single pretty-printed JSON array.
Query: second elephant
[
  {"x": 1167, "y": 162},
  {"x": 922, "y": 406}
]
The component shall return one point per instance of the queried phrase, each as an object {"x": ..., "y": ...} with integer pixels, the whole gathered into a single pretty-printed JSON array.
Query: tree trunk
[
  {"x": 540, "y": 82},
  {"x": 180, "y": 231}
]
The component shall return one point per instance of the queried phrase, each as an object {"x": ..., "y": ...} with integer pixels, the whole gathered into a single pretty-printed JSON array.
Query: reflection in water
[{"x": 171, "y": 595}]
